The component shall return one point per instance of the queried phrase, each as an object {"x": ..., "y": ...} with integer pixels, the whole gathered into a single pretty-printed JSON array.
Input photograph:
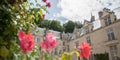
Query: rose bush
[{"x": 17, "y": 17}]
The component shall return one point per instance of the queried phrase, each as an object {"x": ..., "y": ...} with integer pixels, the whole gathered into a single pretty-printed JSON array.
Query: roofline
[{"x": 118, "y": 20}]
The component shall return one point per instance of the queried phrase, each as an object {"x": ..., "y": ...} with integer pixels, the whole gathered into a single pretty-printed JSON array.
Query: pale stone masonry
[
  {"x": 105, "y": 38},
  {"x": 102, "y": 34}
]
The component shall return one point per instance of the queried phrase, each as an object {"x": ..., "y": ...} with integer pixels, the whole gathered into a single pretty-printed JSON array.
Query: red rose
[
  {"x": 44, "y": 0},
  {"x": 48, "y": 4},
  {"x": 26, "y": 41},
  {"x": 85, "y": 50}
]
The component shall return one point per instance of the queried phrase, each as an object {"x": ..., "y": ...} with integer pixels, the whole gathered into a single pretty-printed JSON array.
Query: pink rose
[
  {"x": 26, "y": 41},
  {"x": 49, "y": 42}
]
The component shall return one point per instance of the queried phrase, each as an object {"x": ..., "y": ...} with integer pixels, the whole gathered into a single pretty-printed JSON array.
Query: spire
[
  {"x": 91, "y": 14},
  {"x": 92, "y": 18}
]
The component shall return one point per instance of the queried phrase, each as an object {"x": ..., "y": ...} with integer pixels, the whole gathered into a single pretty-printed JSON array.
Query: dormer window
[
  {"x": 107, "y": 21},
  {"x": 87, "y": 30}
]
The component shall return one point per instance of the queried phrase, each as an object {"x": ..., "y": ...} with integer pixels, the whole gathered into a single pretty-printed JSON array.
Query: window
[
  {"x": 60, "y": 51},
  {"x": 76, "y": 44},
  {"x": 68, "y": 48},
  {"x": 115, "y": 17},
  {"x": 107, "y": 21},
  {"x": 63, "y": 43},
  {"x": 87, "y": 30},
  {"x": 110, "y": 34},
  {"x": 113, "y": 52},
  {"x": 38, "y": 40},
  {"x": 64, "y": 49},
  {"x": 55, "y": 51},
  {"x": 88, "y": 40}
]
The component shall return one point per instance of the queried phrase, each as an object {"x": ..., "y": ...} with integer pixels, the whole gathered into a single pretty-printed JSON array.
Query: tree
[
  {"x": 44, "y": 24},
  {"x": 55, "y": 25},
  {"x": 69, "y": 26},
  {"x": 78, "y": 24},
  {"x": 50, "y": 24},
  {"x": 61, "y": 28}
]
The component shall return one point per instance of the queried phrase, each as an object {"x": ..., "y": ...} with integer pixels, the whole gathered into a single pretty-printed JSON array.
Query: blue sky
[{"x": 79, "y": 10}]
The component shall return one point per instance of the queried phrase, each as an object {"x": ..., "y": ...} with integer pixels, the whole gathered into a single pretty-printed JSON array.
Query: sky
[{"x": 79, "y": 10}]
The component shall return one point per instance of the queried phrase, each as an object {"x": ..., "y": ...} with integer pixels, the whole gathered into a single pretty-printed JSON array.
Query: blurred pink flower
[
  {"x": 48, "y": 4},
  {"x": 85, "y": 50},
  {"x": 26, "y": 41},
  {"x": 44, "y": 0},
  {"x": 49, "y": 42}
]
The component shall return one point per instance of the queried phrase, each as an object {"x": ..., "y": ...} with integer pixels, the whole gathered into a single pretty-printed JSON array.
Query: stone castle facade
[{"x": 102, "y": 34}]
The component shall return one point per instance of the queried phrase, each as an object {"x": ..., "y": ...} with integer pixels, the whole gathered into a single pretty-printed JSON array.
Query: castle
[{"x": 102, "y": 34}]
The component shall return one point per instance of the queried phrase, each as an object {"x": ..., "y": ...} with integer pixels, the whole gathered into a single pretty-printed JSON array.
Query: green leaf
[
  {"x": 24, "y": 57},
  {"x": 3, "y": 42},
  {"x": 4, "y": 52},
  {"x": 64, "y": 57},
  {"x": 31, "y": 4},
  {"x": 12, "y": 46},
  {"x": 35, "y": 0},
  {"x": 41, "y": 12},
  {"x": 37, "y": 18},
  {"x": 37, "y": 4},
  {"x": 33, "y": 54},
  {"x": 6, "y": 32},
  {"x": 13, "y": 7},
  {"x": 25, "y": 4},
  {"x": 44, "y": 8}
]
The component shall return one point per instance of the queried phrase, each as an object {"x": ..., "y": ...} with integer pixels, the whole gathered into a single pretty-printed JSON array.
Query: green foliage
[
  {"x": 101, "y": 56},
  {"x": 69, "y": 26},
  {"x": 12, "y": 2},
  {"x": 44, "y": 23},
  {"x": 50, "y": 24},
  {"x": 55, "y": 25},
  {"x": 68, "y": 55},
  {"x": 14, "y": 16},
  {"x": 18, "y": 15},
  {"x": 78, "y": 24}
]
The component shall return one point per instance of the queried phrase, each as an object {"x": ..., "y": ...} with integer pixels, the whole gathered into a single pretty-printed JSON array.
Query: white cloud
[
  {"x": 56, "y": 15},
  {"x": 81, "y": 9}
]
